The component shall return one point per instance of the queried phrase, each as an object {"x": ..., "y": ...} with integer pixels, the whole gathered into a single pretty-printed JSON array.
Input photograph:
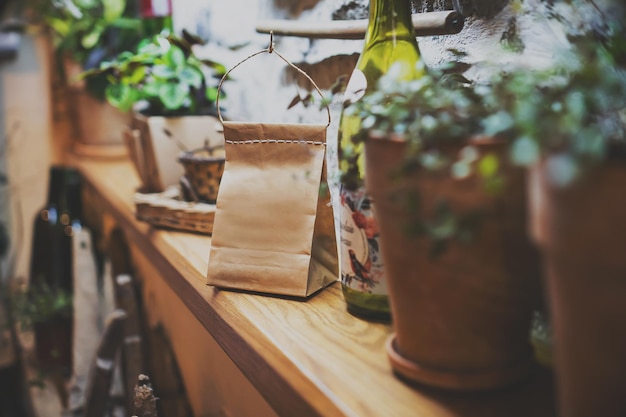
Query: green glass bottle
[
  {"x": 156, "y": 16},
  {"x": 389, "y": 42}
]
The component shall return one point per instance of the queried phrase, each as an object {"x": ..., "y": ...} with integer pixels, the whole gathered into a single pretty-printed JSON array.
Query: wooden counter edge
[{"x": 277, "y": 379}]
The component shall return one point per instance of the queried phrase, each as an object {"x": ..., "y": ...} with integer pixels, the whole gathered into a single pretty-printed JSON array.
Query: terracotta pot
[
  {"x": 53, "y": 344},
  {"x": 582, "y": 232},
  {"x": 461, "y": 320},
  {"x": 99, "y": 126}
]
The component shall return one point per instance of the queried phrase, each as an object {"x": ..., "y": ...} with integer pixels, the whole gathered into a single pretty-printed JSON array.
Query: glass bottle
[
  {"x": 389, "y": 41},
  {"x": 51, "y": 271},
  {"x": 156, "y": 16}
]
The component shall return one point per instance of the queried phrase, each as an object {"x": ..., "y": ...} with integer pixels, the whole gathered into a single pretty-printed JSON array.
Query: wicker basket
[
  {"x": 167, "y": 210},
  {"x": 203, "y": 172}
]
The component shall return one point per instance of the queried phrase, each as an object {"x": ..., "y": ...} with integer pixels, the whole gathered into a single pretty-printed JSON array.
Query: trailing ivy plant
[{"x": 162, "y": 77}]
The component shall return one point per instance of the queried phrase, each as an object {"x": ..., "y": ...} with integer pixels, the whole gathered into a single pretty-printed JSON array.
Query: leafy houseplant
[
  {"x": 172, "y": 94},
  {"x": 84, "y": 34},
  {"x": 462, "y": 275},
  {"x": 89, "y": 32},
  {"x": 433, "y": 115},
  {"x": 568, "y": 125},
  {"x": 164, "y": 77}
]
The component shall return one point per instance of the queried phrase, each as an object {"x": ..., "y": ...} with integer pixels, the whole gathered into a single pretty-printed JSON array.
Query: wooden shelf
[{"x": 306, "y": 358}]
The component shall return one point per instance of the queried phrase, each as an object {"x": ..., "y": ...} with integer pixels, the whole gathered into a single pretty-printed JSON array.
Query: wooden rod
[{"x": 425, "y": 24}]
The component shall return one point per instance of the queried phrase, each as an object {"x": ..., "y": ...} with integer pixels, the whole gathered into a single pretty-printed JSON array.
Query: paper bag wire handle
[{"x": 270, "y": 49}]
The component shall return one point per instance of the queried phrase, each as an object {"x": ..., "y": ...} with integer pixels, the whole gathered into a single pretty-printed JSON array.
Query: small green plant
[
  {"x": 163, "y": 77},
  {"x": 438, "y": 109},
  {"x": 38, "y": 304}
]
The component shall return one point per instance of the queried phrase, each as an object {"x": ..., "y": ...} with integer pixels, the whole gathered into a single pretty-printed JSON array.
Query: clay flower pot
[
  {"x": 461, "y": 320},
  {"x": 99, "y": 127},
  {"x": 581, "y": 230}
]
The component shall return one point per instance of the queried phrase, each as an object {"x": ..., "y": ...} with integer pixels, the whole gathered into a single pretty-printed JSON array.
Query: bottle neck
[
  {"x": 56, "y": 183},
  {"x": 389, "y": 20},
  {"x": 64, "y": 190}
]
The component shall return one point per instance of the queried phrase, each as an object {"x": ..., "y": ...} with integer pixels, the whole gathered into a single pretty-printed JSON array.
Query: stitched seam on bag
[{"x": 247, "y": 142}]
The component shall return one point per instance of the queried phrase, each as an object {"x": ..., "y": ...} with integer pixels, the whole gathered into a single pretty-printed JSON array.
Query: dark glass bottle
[
  {"x": 51, "y": 271},
  {"x": 156, "y": 16},
  {"x": 389, "y": 42}
]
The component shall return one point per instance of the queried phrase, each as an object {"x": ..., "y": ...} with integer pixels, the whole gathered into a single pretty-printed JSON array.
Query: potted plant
[
  {"x": 47, "y": 311},
  {"x": 568, "y": 127},
  {"x": 171, "y": 93},
  {"x": 84, "y": 34},
  {"x": 462, "y": 275}
]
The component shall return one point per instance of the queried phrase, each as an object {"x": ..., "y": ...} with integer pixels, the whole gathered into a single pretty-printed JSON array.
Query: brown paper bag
[{"x": 274, "y": 230}]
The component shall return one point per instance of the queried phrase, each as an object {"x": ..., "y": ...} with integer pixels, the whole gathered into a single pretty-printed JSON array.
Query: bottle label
[
  {"x": 156, "y": 8},
  {"x": 361, "y": 260}
]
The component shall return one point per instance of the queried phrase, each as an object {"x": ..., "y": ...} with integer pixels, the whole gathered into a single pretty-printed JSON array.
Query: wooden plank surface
[{"x": 306, "y": 358}]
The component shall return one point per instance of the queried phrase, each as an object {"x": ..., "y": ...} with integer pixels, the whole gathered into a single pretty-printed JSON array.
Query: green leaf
[
  {"x": 488, "y": 165},
  {"x": 561, "y": 169},
  {"x": 497, "y": 123},
  {"x": 211, "y": 94},
  {"x": 460, "y": 170},
  {"x": 126, "y": 23},
  {"x": 76, "y": 10},
  {"x": 148, "y": 46},
  {"x": 163, "y": 72},
  {"x": 89, "y": 73},
  {"x": 124, "y": 56},
  {"x": 137, "y": 75},
  {"x": 173, "y": 95},
  {"x": 152, "y": 89},
  {"x": 92, "y": 38},
  {"x": 113, "y": 9},
  {"x": 525, "y": 112},
  {"x": 61, "y": 27},
  {"x": 191, "y": 76},
  {"x": 575, "y": 103},
  {"x": 469, "y": 153},
  {"x": 121, "y": 96},
  {"x": 83, "y": 4},
  {"x": 219, "y": 69},
  {"x": 524, "y": 151},
  {"x": 175, "y": 58}
]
